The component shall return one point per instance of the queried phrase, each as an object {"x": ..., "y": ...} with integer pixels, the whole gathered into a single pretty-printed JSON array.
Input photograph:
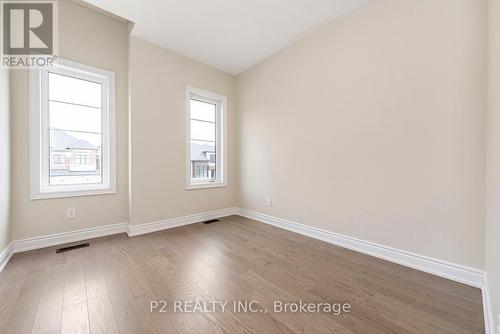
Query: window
[
  {"x": 206, "y": 139},
  {"x": 59, "y": 159},
  {"x": 83, "y": 159},
  {"x": 72, "y": 131}
]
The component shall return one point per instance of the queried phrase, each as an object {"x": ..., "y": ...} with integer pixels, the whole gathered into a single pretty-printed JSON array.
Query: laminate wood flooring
[{"x": 109, "y": 286}]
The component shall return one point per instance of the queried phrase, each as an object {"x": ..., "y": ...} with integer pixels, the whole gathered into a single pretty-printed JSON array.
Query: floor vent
[
  {"x": 211, "y": 221},
  {"x": 70, "y": 248}
]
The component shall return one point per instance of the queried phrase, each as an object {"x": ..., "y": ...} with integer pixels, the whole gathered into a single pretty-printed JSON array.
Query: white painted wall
[
  {"x": 5, "y": 225},
  {"x": 373, "y": 128}
]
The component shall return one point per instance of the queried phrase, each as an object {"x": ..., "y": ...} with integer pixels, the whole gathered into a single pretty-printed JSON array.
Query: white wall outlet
[
  {"x": 269, "y": 202},
  {"x": 71, "y": 213}
]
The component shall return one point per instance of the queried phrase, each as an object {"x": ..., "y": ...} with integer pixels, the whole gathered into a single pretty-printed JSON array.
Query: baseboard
[
  {"x": 487, "y": 308},
  {"x": 135, "y": 230},
  {"x": 5, "y": 256},
  {"x": 455, "y": 272},
  {"x": 67, "y": 237},
  {"x": 101, "y": 231},
  {"x": 444, "y": 269}
]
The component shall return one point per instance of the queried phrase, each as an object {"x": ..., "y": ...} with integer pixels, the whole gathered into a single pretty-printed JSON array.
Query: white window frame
[
  {"x": 39, "y": 131},
  {"x": 221, "y": 138}
]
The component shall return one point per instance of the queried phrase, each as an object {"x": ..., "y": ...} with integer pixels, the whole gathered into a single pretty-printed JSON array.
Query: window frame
[
  {"x": 220, "y": 138},
  {"x": 40, "y": 187}
]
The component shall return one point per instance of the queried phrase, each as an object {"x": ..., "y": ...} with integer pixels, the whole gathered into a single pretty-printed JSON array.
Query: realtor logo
[{"x": 29, "y": 33}]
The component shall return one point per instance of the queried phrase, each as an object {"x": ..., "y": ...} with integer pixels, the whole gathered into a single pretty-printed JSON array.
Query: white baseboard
[
  {"x": 135, "y": 230},
  {"x": 67, "y": 237},
  {"x": 5, "y": 256},
  {"x": 455, "y": 272},
  {"x": 444, "y": 269},
  {"x": 101, "y": 231},
  {"x": 487, "y": 308},
  {"x": 452, "y": 271}
]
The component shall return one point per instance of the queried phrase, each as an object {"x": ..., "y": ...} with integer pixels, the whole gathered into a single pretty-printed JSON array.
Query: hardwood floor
[{"x": 108, "y": 287}]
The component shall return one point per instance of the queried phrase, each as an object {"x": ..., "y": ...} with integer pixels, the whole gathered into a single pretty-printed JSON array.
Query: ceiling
[{"x": 231, "y": 35}]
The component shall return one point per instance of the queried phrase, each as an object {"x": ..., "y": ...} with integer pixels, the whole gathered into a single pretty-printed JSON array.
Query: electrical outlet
[
  {"x": 269, "y": 202},
  {"x": 71, "y": 213}
]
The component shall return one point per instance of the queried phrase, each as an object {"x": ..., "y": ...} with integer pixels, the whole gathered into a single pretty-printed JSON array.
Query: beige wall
[
  {"x": 94, "y": 39},
  {"x": 158, "y": 134},
  {"x": 373, "y": 127},
  {"x": 493, "y": 163},
  {"x": 4, "y": 160}
]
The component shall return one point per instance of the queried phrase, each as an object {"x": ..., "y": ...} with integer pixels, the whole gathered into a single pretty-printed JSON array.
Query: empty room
[{"x": 254, "y": 167}]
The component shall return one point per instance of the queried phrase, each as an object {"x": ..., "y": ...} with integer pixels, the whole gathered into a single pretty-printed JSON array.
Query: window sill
[
  {"x": 206, "y": 185},
  {"x": 76, "y": 193}
]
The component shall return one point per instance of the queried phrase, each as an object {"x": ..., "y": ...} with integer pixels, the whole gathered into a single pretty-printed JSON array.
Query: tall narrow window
[
  {"x": 72, "y": 129},
  {"x": 206, "y": 146}
]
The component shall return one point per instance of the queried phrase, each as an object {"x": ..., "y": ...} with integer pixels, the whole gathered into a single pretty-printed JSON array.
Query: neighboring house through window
[
  {"x": 73, "y": 131},
  {"x": 206, "y": 142}
]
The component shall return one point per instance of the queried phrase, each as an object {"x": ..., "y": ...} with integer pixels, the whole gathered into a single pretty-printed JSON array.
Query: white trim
[
  {"x": 39, "y": 168},
  {"x": 67, "y": 237},
  {"x": 455, "y": 272},
  {"x": 78, "y": 193},
  {"x": 221, "y": 138},
  {"x": 5, "y": 256},
  {"x": 135, "y": 230},
  {"x": 207, "y": 185},
  {"x": 102, "y": 231},
  {"x": 489, "y": 320},
  {"x": 444, "y": 269}
]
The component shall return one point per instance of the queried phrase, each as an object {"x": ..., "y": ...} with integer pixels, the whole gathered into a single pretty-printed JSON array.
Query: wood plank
[
  {"x": 11, "y": 282},
  {"x": 75, "y": 318},
  {"x": 108, "y": 287},
  {"x": 101, "y": 314},
  {"x": 49, "y": 312},
  {"x": 24, "y": 310}
]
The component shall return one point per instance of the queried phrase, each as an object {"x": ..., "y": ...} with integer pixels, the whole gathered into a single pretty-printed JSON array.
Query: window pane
[
  {"x": 204, "y": 136},
  {"x": 202, "y": 131},
  {"x": 202, "y": 111},
  {"x": 73, "y": 117},
  {"x": 75, "y": 131},
  {"x": 75, "y": 158},
  {"x": 71, "y": 90},
  {"x": 203, "y": 160}
]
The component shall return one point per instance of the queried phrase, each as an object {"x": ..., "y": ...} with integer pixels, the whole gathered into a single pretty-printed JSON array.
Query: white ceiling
[{"x": 231, "y": 35}]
